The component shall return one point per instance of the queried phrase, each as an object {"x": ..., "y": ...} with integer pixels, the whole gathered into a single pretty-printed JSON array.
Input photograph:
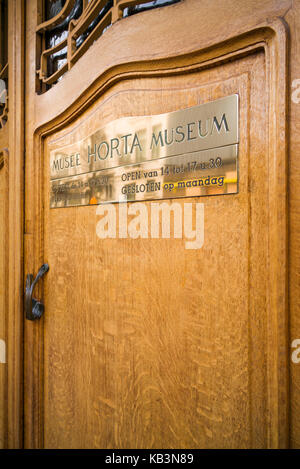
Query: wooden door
[{"x": 144, "y": 343}]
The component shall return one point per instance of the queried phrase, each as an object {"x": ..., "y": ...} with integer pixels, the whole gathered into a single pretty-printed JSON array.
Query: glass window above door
[
  {"x": 69, "y": 27},
  {"x": 3, "y": 63}
]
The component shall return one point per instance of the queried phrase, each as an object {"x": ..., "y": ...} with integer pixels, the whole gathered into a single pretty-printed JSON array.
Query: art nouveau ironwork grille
[
  {"x": 3, "y": 63},
  {"x": 69, "y": 27}
]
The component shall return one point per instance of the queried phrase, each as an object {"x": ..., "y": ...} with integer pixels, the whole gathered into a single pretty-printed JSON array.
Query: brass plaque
[{"x": 187, "y": 153}]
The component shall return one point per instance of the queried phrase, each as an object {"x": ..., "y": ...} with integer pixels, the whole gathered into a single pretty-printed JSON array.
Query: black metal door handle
[{"x": 34, "y": 308}]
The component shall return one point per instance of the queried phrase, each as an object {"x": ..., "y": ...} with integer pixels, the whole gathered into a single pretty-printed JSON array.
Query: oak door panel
[{"x": 148, "y": 344}]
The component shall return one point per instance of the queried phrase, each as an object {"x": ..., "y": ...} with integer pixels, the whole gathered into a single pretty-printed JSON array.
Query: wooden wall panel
[
  {"x": 3, "y": 289},
  {"x": 15, "y": 230},
  {"x": 293, "y": 20}
]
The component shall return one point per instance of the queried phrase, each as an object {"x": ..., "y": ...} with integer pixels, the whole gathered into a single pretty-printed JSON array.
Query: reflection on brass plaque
[
  {"x": 186, "y": 153},
  {"x": 207, "y": 172}
]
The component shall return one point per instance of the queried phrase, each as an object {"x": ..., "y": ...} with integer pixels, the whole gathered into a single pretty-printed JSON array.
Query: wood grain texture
[
  {"x": 129, "y": 358},
  {"x": 3, "y": 281},
  {"x": 293, "y": 19},
  {"x": 158, "y": 354},
  {"x": 11, "y": 229},
  {"x": 15, "y": 224},
  {"x": 4, "y": 132}
]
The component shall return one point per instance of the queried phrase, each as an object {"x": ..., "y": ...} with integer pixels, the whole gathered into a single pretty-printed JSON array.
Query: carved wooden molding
[
  {"x": 3, "y": 158},
  {"x": 63, "y": 14},
  {"x": 15, "y": 227}
]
